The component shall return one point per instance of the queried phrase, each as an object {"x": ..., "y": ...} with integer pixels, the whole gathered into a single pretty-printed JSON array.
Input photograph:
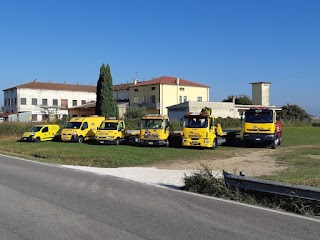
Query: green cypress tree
[{"x": 105, "y": 104}]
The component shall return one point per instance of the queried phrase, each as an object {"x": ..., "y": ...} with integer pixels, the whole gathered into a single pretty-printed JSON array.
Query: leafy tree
[
  {"x": 105, "y": 104},
  {"x": 293, "y": 112},
  {"x": 241, "y": 99},
  {"x": 133, "y": 117}
]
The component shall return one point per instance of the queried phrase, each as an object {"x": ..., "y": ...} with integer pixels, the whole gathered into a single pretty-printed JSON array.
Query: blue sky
[{"x": 225, "y": 44}]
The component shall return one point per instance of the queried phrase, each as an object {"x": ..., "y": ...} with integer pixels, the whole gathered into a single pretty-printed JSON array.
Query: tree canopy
[
  {"x": 241, "y": 99},
  {"x": 295, "y": 113},
  {"x": 105, "y": 104}
]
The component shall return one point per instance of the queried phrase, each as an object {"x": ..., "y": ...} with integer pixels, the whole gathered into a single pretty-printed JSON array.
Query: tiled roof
[
  {"x": 57, "y": 86},
  {"x": 169, "y": 81},
  {"x": 123, "y": 86}
]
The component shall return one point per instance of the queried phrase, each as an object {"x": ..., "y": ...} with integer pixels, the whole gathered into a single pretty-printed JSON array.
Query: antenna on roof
[{"x": 34, "y": 80}]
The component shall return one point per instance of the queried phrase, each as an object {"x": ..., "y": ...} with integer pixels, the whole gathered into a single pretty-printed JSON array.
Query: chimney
[
  {"x": 178, "y": 81},
  {"x": 135, "y": 81}
]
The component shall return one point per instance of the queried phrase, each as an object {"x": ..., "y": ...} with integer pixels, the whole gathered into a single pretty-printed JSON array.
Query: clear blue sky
[{"x": 225, "y": 44}]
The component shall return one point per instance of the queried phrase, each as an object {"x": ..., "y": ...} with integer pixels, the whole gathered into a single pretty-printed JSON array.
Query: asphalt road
[{"x": 40, "y": 201}]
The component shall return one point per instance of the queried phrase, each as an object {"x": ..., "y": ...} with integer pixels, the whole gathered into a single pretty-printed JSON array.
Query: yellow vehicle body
[
  {"x": 261, "y": 125},
  {"x": 155, "y": 130},
  {"x": 80, "y": 129},
  {"x": 37, "y": 133},
  {"x": 111, "y": 132},
  {"x": 199, "y": 131}
]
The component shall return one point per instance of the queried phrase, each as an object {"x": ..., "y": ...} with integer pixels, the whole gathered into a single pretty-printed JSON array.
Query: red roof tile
[
  {"x": 169, "y": 81},
  {"x": 57, "y": 86}
]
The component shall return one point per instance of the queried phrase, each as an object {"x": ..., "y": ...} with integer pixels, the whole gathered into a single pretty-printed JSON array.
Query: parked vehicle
[
  {"x": 155, "y": 130},
  {"x": 262, "y": 125},
  {"x": 200, "y": 130},
  {"x": 80, "y": 129},
  {"x": 113, "y": 131},
  {"x": 37, "y": 133}
]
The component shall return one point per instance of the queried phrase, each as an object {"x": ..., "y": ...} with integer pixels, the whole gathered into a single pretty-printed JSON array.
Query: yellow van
[
  {"x": 81, "y": 129},
  {"x": 39, "y": 133}
]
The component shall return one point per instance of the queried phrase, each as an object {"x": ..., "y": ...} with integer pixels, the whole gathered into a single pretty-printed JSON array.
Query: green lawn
[{"x": 300, "y": 150}]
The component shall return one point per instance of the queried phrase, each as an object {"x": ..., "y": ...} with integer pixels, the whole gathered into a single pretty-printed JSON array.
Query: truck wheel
[
  {"x": 37, "y": 139},
  {"x": 274, "y": 143},
  {"x": 167, "y": 143},
  {"x": 214, "y": 144},
  {"x": 117, "y": 142},
  {"x": 80, "y": 139}
]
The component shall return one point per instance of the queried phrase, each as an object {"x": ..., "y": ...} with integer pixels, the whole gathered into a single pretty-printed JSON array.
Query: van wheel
[
  {"x": 80, "y": 139},
  {"x": 117, "y": 142},
  {"x": 37, "y": 139}
]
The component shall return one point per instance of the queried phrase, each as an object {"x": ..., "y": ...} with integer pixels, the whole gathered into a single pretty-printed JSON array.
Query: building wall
[
  {"x": 165, "y": 96},
  {"x": 261, "y": 93},
  {"x": 39, "y": 109},
  {"x": 219, "y": 109}
]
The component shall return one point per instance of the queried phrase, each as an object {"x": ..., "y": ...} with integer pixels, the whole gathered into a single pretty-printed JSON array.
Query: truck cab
[
  {"x": 199, "y": 130},
  {"x": 154, "y": 130},
  {"x": 111, "y": 131},
  {"x": 262, "y": 125}
]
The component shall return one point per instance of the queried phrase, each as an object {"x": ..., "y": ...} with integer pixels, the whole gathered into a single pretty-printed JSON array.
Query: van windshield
[
  {"x": 74, "y": 125},
  {"x": 35, "y": 129}
]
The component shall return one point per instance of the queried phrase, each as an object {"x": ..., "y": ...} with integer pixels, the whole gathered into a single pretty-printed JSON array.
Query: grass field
[{"x": 300, "y": 150}]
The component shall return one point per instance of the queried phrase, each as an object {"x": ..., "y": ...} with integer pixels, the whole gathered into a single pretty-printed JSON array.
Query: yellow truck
[
  {"x": 200, "y": 130},
  {"x": 155, "y": 130},
  {"x": 37, "y": 133},
  {"x": 80, "y": 129},
  {"x": 113, "y": 131},
  {"x": 262, "y": 125}
]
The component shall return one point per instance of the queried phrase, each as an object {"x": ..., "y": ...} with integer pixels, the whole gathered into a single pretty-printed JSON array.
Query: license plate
[
  {"x": 150, "y": 143},
  {"x": 101, "y": 141},
  {"x": 258, "y": 139},
  {"x": 194, "y": 142}
]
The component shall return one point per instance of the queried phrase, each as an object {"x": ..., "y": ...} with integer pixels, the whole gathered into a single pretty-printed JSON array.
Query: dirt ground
[{"x": 253, "y": 162}]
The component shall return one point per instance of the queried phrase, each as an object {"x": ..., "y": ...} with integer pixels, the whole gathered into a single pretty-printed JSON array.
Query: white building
[{"x": 45, "y": 98}]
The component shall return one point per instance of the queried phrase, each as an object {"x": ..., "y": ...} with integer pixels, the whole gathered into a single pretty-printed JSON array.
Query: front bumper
[
  {"x": 144, "y": 142},
  {"x": 207, "y": 143},
  {"x": 258, "y": 137}
]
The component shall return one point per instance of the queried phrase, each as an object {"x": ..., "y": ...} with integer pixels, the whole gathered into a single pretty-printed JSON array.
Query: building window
[
  {"x": 55, "y": 102},
  {"x": 83, "y": 102},
  {"x": 15, "y": 101},
  {"x": 185, "y": 98},
  {"x": 9, "y": 102},
  {"x": 74, "y": 103},
  {"x": 34, "y": 117},
  {"x": 199, "y": 99},
  {"x": 44, "y": 117},
  {"x": 5, "y": 102},
  {"x": 181, "y": 89},
  {"x": 34, "y": 101},
  {"x": 23, "y": 101},
  {"x": 135, "y": 99},
  {"x": 64, "y": 103},
  {"x": 180, "y": 99},
  {"x": 153, "y": 99},
  {"x": 153, "y": 88},
  {"x": 144, "y": 99},
  {"x": 136, "y": 89},
  {"x": 45, "y": 102}
]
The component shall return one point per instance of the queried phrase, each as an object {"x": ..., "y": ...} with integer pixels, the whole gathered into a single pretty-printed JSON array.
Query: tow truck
[{"x": 262, "y": 125}]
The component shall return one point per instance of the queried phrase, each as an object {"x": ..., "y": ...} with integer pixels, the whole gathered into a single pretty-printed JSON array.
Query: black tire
[
  {"x": 117, "y": 142},
  {"x": 80, "y": 139},
  {"x": 214, "y": 144},
  {"x": 37, "y": 139},
  {"x": 274, "y": 143}
]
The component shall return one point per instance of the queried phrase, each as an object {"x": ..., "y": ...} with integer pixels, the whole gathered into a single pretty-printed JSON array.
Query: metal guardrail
[{"x": 286, "y": 189}]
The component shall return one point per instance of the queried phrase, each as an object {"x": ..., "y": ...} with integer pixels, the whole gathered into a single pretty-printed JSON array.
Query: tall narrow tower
[{"x": 261, "y": 93}]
